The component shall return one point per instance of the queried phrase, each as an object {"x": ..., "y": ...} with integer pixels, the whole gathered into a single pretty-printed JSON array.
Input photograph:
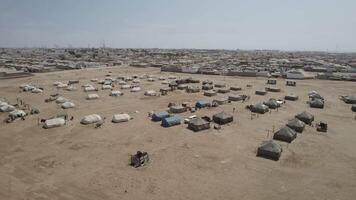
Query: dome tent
[
  {"x": 349, "y": 99},
  {"x": 291, "y": 97},
  {"x": 118, "y": 118},
  {"x": 198, "y": 124},
  {"x": 222, "y": 118},
  {"x": 210, "y": 93},
  {"x": 52, "y": 123},
  {"x": 67, "y": 105},
  {"x": 305, "y": 117},
  {"x": 296, "y": 125},
  {"x": 353, "y": 108},
  {"x": 259, "y": 108},
  {"x": 272, "y": 103},
  {"x": 270, "y": 149},
  {"x": 177, "y": 109},
  {"x": 317, "y": 103},
  {"x": 116, "y": 93},
  {"x": 285, "y": 134},
  {"x": 91, "y": 119}
]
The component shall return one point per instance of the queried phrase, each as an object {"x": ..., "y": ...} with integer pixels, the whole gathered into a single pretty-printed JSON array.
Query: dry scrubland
[{"x": 80, "y": 162}]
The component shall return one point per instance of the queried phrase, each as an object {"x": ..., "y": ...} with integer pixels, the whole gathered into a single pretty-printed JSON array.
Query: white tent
[
  {"x": 116, "y": 93},
  {"x": 91, "y": 119},
  {"x": 67, "y": 105},
  {"x": 7, "y": 108},
  {"x": 92, "y": 96},
  {"x": 17, "y": 113},
  {"x": 56, "y": 122},
  {"x": 150, "y": 93},
  {"x": 37, "y": 90},
  {"x": 125, "y": 86},
  {"x": 121, "y": 118},
  {"x": 106, "y": 87},
  {"x": 89, "y": 89},
  {"x": 71, "y": 88},
  {"x": 56, "y": 83},
  {"x": 61, "y": 100},
  {"x": 135, "y": 89},
  {"x": 62, "y": 85}
]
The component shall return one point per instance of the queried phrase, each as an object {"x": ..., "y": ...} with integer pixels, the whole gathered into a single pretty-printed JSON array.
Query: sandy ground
[{"x": 80, "y": 162}]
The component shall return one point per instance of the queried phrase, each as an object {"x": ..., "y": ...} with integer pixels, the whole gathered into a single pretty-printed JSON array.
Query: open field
[{"x": 76, "y": 162}]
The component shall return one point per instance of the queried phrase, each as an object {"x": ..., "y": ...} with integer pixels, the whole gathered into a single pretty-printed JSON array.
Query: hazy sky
[{"x": 230, "y": 24}]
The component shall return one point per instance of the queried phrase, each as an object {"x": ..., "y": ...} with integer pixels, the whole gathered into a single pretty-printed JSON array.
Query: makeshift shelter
[
  {"x": 182, "y": 87},
  {"x": 202, "y": 104},
  {"x": 125, "y": 87},
  {"x": 259, "y": 108},
  {"x": 235, "y": 97},
  {"x": 150, "y": 93},
  {"x": 198, "y": 124},
  {"x": 177, "y": 109},
  {"x": 91, "y": 119},
  {"x": 62, "y": 85},
  {"x": 122, "y": 83},
  {"x": 316, "y": 103},
  {"x": 220, "y": 85},
  {"x": 353, "y": 108},
  {"x": 221, "y": 100},
  {"x": 207, "y": 82},
  {"x": 92, "y": 96},
  {"x": 349, "y": 99},
  {"x": 291, "y": 97},
  {"x": 17, "y": 114},
  {"x": 272, "y": 103},
  {"x": 158, "y": 116},
  {"x": 89, "y": 89},
  {"x": 61, "y": 100},
  {"x": 118, "y": 118},
  {"x": 222, "y": 118},
  {"x": 52, "y": 123},
  {"x": 305, "y": 117},
  {"x": 171, "y": 121},
  {"x": 270, "y": 149},
  {"x": 223, "y": 90},
  {"x": 296, "y": 125},
  {"x": 7, "y": 108},
  {"x": 106, "y": 87},
  {"x": 67, "y": 105},
  {"x": 192, "y": 89},
  {"x": 260, "y": 92},
  {"x": 273, "y": 89},
  {"x": 291, "y": 83},
  {"x": 210, "y": 93},
  {"x": 136, "y": 89},
  {"x": 116, "y": 93},
  {"x": 207, "y": 87},
  {"x": 37, "y": 90},
  {"x": 272, "y": 81},
  {"x": 71, "y": 88},
  {"x": 285, "y": 134},
  {"x": 235, "y": 88}
]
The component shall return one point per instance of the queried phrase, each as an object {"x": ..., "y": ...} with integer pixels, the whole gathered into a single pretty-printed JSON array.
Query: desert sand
[{"x": 79, "y": 162}]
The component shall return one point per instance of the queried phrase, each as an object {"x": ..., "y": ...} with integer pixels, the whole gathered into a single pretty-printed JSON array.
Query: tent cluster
[
  {"x": 31, "y": 88},
  {"x": 271, "y": 149}
]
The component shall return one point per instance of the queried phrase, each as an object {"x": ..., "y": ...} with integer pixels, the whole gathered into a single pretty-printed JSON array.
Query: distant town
[{"x": 258, "y": 63}]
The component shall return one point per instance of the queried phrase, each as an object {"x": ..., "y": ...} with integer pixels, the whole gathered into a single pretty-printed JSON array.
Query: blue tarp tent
[
  {"x": 158, "y": 116},
  {"x": 201, "y": 104},
  {"x": 171, "y": 121}
]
